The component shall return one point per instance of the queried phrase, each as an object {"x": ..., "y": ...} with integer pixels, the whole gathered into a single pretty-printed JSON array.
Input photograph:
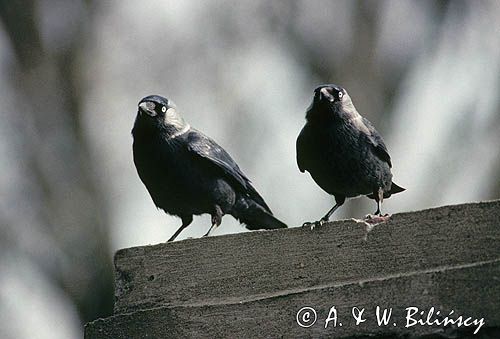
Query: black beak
[
  {"x": 147, "y": 107},
  {"x": 326, "y": 93}
]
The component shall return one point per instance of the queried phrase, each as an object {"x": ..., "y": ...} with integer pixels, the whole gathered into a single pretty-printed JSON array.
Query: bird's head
[
  {"x": 329, "y": 94},
  {"x": 329, "y": 101},
  {"x": 162, "y": 113},
  {"x": 156, "y": 107}
]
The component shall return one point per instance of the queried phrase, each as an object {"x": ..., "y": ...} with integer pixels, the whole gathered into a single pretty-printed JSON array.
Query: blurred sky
[{"x": 426, "y": 73}]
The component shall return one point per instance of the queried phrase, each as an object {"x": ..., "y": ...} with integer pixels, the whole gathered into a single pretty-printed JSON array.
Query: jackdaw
[
  {"x": 342, "y": 151},
  {"x": 187, "y": 173}
]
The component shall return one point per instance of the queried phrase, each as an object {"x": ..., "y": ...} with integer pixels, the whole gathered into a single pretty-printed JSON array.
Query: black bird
[
  {"x": 342, "y": 151},
  {"x": 187, "y": 173}
]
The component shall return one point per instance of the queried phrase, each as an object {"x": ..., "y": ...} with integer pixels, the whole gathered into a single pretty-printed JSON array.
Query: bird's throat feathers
[
  {"x": 337, "y": 112},
  {"x": 170, "y": 126},
  {"x": 174, "y": 125}
]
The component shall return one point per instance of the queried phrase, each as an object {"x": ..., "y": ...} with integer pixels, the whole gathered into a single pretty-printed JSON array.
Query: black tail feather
[
  {"x": 394, "y": 189},
  {"x": 256, "y": 217}
]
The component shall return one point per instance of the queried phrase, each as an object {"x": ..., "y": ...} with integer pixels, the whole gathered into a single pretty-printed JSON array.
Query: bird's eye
[
  {"x": 163, "y": 109},
  {"x": 340, "y": 95}
]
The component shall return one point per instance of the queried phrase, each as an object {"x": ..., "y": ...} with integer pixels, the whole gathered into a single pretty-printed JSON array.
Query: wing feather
[
  {"x": 378, "y": 145},
  {"x": 202, "y": 146}
]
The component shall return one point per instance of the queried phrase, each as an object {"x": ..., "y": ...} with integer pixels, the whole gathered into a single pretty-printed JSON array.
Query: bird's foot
[
  {"x": 311, "y": 224},
  {"x": 376, "y": 219},
  {"x": 314, "y": 224}
]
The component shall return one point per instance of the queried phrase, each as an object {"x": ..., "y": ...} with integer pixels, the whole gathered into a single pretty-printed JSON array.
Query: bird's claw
[
  {"x": 314, "y": 224},
  {"x": 308, "y": 224},
  {"x": 377, "y": 218}
]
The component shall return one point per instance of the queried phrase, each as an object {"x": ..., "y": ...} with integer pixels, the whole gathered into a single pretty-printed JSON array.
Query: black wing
[
  {"x": 377, "y": 143},
  {"x": 204, "y": 147},
  {"x": 301, "y": 149}
]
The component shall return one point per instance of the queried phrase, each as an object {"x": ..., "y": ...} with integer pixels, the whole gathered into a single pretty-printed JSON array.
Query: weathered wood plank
[
  {"x": 250, "y": 266},
  {"x": 471, "y": 290}
]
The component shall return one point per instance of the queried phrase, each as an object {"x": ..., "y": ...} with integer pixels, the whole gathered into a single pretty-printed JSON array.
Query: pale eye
[
  {"x": 163, "y": 109},
  {"x": 340, "y": 94}
]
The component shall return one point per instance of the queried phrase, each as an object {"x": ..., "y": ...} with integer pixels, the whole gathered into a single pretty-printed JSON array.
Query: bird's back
[
  {"x": 223, "y": 165},
  {"x": 191, "y": 169}
]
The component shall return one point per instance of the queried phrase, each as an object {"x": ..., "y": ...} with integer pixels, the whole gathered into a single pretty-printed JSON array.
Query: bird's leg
[
  {"x": 379, "y": 201},
  {"x": 339, "y": 202},
  {"x": 216, "y": 219},
  {"x": 377, "y": 212},
  {"x": 379, "y": 197},
  {"x": 378, "y": 217},
  {"x": 186, "y": 220}
]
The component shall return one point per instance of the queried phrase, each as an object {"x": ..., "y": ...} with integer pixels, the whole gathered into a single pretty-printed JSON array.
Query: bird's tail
[
  {"x": 394, "y": 189},
  {"x": 255, "y": 217}
]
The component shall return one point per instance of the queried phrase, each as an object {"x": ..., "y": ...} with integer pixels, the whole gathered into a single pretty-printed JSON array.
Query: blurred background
[{"x": 426, "y": 73}]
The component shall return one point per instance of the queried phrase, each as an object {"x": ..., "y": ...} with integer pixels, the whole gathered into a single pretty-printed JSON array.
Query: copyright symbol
[{"x": 306, "y": 317}]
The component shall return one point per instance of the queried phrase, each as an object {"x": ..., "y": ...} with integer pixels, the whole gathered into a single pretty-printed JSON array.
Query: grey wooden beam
[
  {"x": 470, "y": 290},
  {"x": 257, "y": 265}
]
